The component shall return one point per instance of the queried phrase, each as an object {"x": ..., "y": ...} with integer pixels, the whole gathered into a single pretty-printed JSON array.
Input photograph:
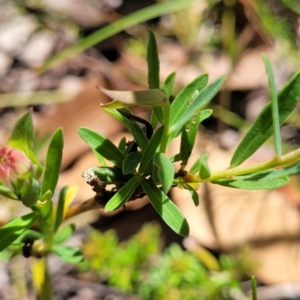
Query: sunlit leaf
[
  {"x": 274, "y": 106},
  {"x": 153, "y": 97},
  {"x": 52, "y": 169},
  {"x": 122, "y": 195},
  {"x": 164, "y": 171},
  {"x": 64, "y": 234},
  {"x": 11, "y": 231},
  {"x": 204, "y": 171},
  {"x": 151, "y": 149},
  {"x": 203, "y": 98},
  {"x": 166, "y": 208},
  {"x": 6, "y": 192},
  {"x": 262, "y": 128},
  {"x": 253, "y": 184},
  {"x": 182, "y": 100},
  {"x": 68, "y": 254},
  {"x": 102, "y": 145}
]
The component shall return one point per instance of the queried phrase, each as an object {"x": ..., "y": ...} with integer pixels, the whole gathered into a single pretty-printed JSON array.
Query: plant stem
[
  {"x": 165, "y": 139},
  {"x": 286, "y": 159},
  {"x": 80, "y": 208}
]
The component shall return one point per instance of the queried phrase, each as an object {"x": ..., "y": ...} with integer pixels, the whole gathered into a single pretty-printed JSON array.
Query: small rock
[
  {"x": 39, "y": 47},
  {"x": 5, "y": 63},
  {"x": 15, "y": 33}
]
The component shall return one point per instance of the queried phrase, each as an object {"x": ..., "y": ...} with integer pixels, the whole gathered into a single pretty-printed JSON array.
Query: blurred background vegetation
[{"x": 54, "y": 53}]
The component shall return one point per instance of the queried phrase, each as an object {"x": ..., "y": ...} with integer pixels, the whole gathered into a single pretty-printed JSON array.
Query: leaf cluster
[{"x": 142, "y": 167}]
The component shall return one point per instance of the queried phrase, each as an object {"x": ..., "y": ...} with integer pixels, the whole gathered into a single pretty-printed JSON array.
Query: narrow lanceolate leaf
[
  {"x": 166, "y": 208},
  {"x": 11, "y": 231},
  {"x": 151, "y": 149},
  {"x": 165, "y": 171},
  {"x": 168, "y": 84},
  {"x": 153, "y": 61},
  {"x": 53, "y": 162},
  {"x": 153, "y": 97},
  {"x": 167, "y": 87},
  {"x": 254, "y": 185},
  {"x": 188, "y": 138},
  {"x": 182, "y": 100},
  {"x": 64, "y": 234},
  {"x": 22, "y": 137},
  {"x": 262, "y": 128},
  {"x": 203, "y": 98},
  {"x": 68, "y": 254},
  {"x": 141, "y": 136},
  {"x": 274, "y": 105},
  {"x": 204, "y": 171},
  {"x": 122, "y": 195},
  {"x": 193, "y": 192},
  {"x": 102, "y": 145},
  {"x": 116, "y": 114},
  {"x": 131, "y": 161},
  {"x": 52, "y": 170},
  {"x": 205, "y": 114},
  {"x": 60, "y": 207},
  {"x": 6, "y": 192}
]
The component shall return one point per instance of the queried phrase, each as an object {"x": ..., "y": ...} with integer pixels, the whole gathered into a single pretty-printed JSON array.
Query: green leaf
[
  {"x": 168, "y": 84},
  {"x": 153, "y": 97},
  {"x": 153, "y": 61},
  {"x": 167, "y": 87},
  {"x": 120, "y": 117},
  {"x": 53, "y": 162},
  {"x": 262, "y": 128},
  {"x": 68, "y": 254},
  {"x": 253, "y": 184},
  {"x": 151, "y": 149},
  {"x": 108, "y": 175},
  {"x": 122, "y": 195},
  {"x": 205, "y": 114},
  {"x": 274, "y": 106},
  {"x": 52, "y": 170},
  {"x": 11, "y": 231},
  {"x": 131, "y": 161},
  {"x": 195, "y": 167},
  {"x": 30, "y": 192},
  {"x": 204, "y": 171},
  {"x": 60, "y": 207},
  {"x": 181, "y": 102},
  {"x": 188, "y": 137},
  {"x": 102, "y": 145},
  {"x": 166, "y": 208},
  {"x": 203, "y": 98},
  {"x": 22, "y": 137},
  {"x": 6, "y": 192},
  {"x": 64, "y": 234},
  {"x": 131, "y": 125},
  {"x": 193, "y": 192},
  {"x": 122, "y": 146},
  {"x": 165, "y": 171}
]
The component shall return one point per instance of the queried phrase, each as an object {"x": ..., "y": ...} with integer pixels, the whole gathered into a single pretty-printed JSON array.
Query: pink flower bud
[{"x": 13, "y": 164}]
